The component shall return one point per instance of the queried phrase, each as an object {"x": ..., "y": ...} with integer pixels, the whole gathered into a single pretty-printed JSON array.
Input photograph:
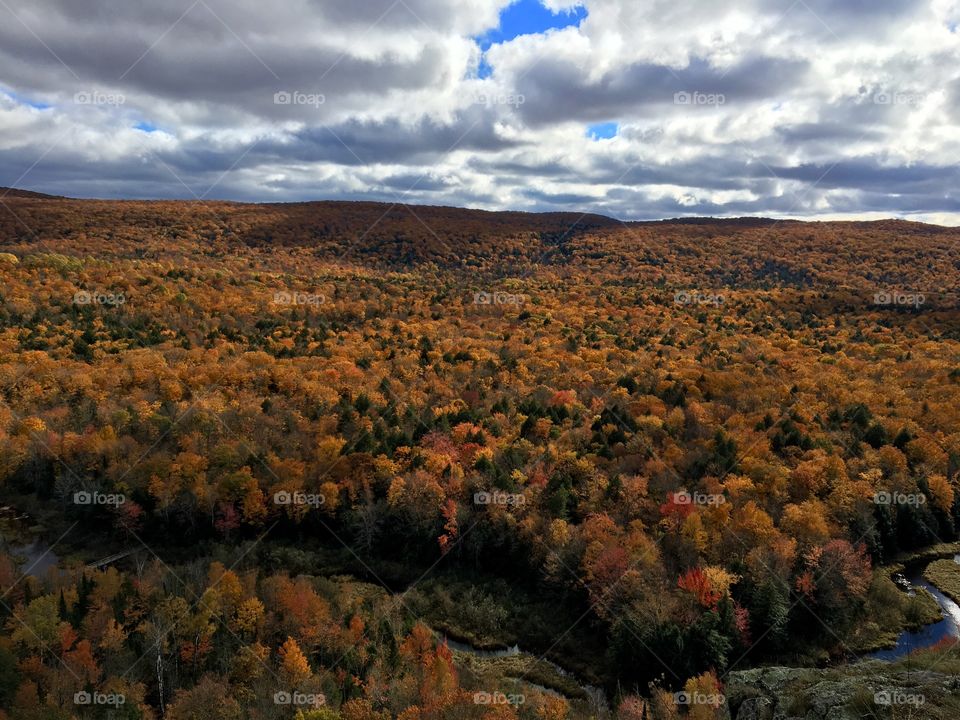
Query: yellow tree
[{"x": 294, "y": 668}]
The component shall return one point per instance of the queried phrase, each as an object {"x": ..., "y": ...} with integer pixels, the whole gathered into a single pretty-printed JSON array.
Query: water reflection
[{"x": 911, "y": 640}]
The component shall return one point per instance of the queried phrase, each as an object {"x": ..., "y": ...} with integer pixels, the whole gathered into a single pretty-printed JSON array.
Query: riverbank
[
  {"x": 891, "y": 612},
  {"x": 945, "y": 575},
  {"x": 490, "y": 619},
  {"x": 924, "y": 555},
  {"x": 914, "y": 615}
]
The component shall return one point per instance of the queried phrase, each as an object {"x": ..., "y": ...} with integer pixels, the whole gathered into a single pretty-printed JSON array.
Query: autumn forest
[{"x": 353, "y": 461}]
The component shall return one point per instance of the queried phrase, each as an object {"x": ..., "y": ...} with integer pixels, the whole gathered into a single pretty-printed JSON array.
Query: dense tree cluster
[
  {"x": 205, "y": 641},
  {"x": 702, "y": 437}
]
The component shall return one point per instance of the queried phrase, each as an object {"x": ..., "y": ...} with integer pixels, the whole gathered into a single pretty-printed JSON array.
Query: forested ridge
[{"x": 654, "y": 453}]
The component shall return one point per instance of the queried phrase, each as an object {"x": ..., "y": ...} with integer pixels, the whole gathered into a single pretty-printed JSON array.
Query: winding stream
[
  {"x": 596, "y": 696},
  {"x": 928, "y": 635},
  {"x": 21, "y": 540},
  {"x": 907, "y": 642}
]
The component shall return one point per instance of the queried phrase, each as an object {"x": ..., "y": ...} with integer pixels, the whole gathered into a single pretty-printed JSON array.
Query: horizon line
[{"x": 6, "y": 192}]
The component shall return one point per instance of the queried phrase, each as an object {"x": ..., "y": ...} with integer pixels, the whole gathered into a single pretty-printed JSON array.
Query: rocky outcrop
[{"x": 851, "y": 692}]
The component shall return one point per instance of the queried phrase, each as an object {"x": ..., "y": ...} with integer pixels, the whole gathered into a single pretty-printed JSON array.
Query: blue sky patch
[
  {"x": 526, "y": 17},
  {"x": 16, "y": 97},
  {"x": 484, "y": 70},
  {"x": 603, "y": 131},
  {"x": 146, "y": 127}
]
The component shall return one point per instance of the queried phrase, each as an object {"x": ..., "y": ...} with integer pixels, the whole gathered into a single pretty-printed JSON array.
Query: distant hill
[
  {"x": 299, "y": 223},
  {"x": 736, "y": 252},
  {"x": 6, "y": 192},
  {"x": 736, "y": 222}
]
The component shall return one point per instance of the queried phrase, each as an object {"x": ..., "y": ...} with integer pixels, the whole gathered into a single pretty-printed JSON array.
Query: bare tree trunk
[{"x": 163, "y": 710}]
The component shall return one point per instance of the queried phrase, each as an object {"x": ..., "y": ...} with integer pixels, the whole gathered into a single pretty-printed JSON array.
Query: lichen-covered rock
[
  {"x": 756, "y": 708},
  {"x": 850, "y": 692}
]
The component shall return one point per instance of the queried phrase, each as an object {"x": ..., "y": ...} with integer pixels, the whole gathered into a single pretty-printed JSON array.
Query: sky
[{"x": 638, "y": 109}]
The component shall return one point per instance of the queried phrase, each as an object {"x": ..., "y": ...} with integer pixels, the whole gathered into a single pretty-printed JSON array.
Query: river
[
  {"x": 928, "y": 635},
  {"x": 24, "y": 543},
  {"x": 907, "y": 642}
]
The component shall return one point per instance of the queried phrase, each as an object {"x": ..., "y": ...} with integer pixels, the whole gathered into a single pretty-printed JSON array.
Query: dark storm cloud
[
  {"x": 562, "y": 88},
  {"x": 636, "y": 205},
  {"x": 408, "y": 182},
  {"x": 202, "y": 60},
  {"x": 559, "y": 199},
  {"x": 716, "y": 172},
  {"x": 500, "y": 168},
  {"x": 70, "y": 175},
  {"x": 359, "y": 143},
  {"x": 920, "y": 178},
  {"x": 826, "y": 132}
]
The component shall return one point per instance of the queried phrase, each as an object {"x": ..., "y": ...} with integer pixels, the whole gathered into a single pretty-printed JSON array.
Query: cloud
[
  {"x": 756, "y": 107},
  {"x": 645, "y": 89}
]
